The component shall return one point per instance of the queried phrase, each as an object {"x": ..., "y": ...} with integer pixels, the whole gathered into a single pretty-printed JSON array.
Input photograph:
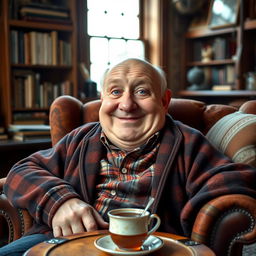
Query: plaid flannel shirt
[{"x": 125, "y": 178}]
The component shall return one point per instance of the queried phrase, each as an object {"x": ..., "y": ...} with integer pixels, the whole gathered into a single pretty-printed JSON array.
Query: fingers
[
  {"x": 78, "y": 227},
  {"x": 92, "y": 220},
  {"x": 100, "y": 221},
  {"x": 75, "y": 216},
  {"x": 68, "y": 230},
  {"x": 57, "y": 231},
  {"x": 89, "y": 221}
]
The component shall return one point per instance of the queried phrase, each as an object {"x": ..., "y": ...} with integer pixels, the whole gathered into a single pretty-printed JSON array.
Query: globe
[{"x": 195, "y": 77}]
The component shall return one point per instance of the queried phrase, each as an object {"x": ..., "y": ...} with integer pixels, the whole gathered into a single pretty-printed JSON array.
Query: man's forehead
[{"x": 130, "y": 67}]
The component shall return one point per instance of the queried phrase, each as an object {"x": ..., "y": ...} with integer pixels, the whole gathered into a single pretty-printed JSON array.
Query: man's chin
[{"x": 130, "y": 142}]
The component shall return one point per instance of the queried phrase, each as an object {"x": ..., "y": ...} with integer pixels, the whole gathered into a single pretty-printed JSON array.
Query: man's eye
[
  {"x": 142, "y": 92},
  {"x": 116, "y": 92}
]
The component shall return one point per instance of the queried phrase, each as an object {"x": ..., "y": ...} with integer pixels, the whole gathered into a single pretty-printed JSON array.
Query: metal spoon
[{"x": 150, "y": 201}]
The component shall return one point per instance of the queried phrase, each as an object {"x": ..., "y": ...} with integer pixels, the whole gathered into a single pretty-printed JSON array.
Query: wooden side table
[{"x": 83, "y": 244}]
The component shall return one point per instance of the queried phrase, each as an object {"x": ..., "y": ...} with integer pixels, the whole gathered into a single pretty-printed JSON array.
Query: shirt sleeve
[{"x": 41, "y": 182}]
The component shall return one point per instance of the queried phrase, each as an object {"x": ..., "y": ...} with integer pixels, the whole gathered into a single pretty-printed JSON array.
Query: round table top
[{"x": 83, "y": 244}]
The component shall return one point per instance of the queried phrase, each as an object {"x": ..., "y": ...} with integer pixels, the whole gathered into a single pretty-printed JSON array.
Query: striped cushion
[{"x": 235, "y": 135}]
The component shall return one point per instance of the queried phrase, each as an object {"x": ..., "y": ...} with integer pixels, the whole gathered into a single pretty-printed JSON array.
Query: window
[{"x": 114, "y": 30}]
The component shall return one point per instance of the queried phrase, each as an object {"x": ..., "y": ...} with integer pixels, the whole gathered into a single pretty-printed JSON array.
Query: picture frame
[{"x": 223, "y": 13}]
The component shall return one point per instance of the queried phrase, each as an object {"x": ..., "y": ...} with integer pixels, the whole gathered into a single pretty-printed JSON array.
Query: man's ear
[{"x": 166, "y": 99}]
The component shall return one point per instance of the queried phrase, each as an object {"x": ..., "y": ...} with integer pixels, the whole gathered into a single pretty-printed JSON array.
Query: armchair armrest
[
  {"x": 13, "y": 222},
  {"x": 226, "y": 223}
]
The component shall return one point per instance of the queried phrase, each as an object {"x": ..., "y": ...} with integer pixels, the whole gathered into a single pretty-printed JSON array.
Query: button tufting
[{"x": 124, "y": 170}]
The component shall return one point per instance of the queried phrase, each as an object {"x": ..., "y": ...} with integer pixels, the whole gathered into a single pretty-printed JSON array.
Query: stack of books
[
  {"x": 44, "y": 12},
  {"x": 3, "y": 135},
  {"x": 30, "y": 132}
]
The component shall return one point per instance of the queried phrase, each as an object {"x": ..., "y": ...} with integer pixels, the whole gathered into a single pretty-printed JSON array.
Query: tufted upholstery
[{"x": 224, "y": 224}]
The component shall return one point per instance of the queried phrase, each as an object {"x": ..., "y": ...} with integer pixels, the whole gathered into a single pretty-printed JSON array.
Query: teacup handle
[{"x": 158, "y": 222}]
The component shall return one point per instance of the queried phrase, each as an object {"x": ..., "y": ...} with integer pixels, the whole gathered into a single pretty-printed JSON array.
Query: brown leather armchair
[{"x": 225, "y": 229}]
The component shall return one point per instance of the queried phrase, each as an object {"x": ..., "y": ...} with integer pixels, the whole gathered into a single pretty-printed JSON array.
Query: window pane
[
  {"x": 117, "y": 50},
  {"x": 135, "y": 48},
  {"x": 97, "y": 23},
  {"x": 113, "y": 18},
  {"x": 131, "y": 27},
  {"x": 99, "y": 50}
]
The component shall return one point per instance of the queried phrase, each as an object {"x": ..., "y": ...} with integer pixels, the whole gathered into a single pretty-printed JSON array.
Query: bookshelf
[
  {"x": 231, "y": 56},
  {"x": 38, "y": 58},
  {"x": 13, "y": 151}
]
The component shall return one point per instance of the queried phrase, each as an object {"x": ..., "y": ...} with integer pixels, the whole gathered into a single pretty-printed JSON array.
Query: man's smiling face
[{"x": 133, "y": 107}]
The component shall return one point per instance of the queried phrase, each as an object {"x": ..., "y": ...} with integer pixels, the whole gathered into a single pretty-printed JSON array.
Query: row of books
[
  {"x": 223, "y": 48},
  {"x": 30, "y": 92},
  {"x": 39, "y": 48},
  {"x": 215, "y": 76}
]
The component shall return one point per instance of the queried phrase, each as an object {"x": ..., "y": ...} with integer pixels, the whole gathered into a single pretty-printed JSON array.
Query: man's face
[{"x": 132, "y": 106}]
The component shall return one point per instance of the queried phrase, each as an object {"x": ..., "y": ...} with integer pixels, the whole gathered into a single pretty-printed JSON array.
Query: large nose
[{"x": 127, "y": 102}]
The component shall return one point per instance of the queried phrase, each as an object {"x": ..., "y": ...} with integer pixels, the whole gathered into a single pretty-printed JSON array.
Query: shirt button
[
  {"x": 113, "y": 192},
  {"x": 124, "y": 170}
]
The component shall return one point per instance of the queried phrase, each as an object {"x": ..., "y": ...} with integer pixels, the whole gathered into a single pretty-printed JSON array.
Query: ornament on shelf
[{"x": 207, "y": 53}]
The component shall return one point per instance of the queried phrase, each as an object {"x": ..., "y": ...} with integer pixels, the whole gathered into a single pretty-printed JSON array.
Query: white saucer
[{"x": 106, "y": 244}]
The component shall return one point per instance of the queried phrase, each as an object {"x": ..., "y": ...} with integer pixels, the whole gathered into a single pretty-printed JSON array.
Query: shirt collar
[{"x": 149, "y": 145}]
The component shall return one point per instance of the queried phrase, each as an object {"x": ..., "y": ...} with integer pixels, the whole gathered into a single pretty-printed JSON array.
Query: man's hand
[{"x": 76, "y": 216}]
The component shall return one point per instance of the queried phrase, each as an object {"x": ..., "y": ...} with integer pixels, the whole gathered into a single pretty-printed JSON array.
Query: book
[
  {"x": 21, "y": 118},
  {"x": 29, "y": 122},
  {"x": 47, "y": 6},
  {"x": 44, "y": 12},
  {"x": 27, "y": 47},
  {"x": 3, "y": 136},
  {"x": 222, "y": 88},
  {"x": 14, "y": 47},
  {"x": 15, "y": 128},
  {"x": 47, "y": 19},
  {"x": 20, "y": 137},
  {"x": 54, "y": 48},
  {"x": 2, "y": 129},
  {"x": 31, "y": 133},
  {"x": 23, "y": 135}
]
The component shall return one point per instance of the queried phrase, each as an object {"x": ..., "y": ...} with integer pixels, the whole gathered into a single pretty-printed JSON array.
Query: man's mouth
[{"x": 129, "y": 118}]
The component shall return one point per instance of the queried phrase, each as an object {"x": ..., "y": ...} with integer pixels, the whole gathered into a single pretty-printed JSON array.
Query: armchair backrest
[{"x": 67, "y": 113}]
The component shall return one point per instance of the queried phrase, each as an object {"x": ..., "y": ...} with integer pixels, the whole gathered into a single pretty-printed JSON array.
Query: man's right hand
[{"x": 75, "y": 216}]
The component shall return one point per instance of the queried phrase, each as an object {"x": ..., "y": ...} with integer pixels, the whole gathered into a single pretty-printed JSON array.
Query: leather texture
[{"x": 224, "y": 224}]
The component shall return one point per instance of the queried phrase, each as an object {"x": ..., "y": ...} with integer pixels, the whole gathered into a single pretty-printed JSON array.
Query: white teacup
[{"x": 128, "y": 227}]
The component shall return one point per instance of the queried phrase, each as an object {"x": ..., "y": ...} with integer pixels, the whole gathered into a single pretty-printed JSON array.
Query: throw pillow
[{"x": 235, "y": 136}]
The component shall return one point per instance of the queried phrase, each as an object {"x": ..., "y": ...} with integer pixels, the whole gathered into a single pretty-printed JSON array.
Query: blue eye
[
  {"x": 116, "y": 92},
  {"x": 142, "y": 92}
]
